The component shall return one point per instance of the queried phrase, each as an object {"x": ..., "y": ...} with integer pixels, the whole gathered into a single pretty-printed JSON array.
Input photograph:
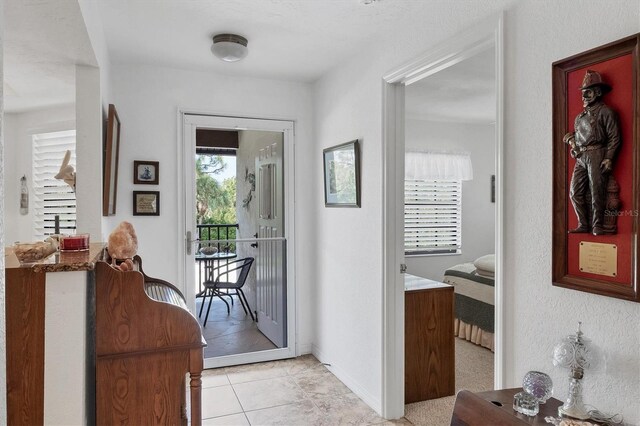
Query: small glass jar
[{"x": 526, "y": 404}]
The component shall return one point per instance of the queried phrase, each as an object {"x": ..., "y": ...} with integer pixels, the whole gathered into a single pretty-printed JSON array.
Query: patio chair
[{"x": 218, "y": 278}]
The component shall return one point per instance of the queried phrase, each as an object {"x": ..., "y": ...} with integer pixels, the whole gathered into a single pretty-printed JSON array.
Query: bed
[{"x": 473, "y": 284}]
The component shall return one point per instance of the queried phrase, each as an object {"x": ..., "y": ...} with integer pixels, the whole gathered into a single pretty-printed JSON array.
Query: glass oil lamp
[{"x": 578, "y": 354}]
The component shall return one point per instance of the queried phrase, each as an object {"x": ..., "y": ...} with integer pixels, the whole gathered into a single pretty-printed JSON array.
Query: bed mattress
[{"x": 474, "y": 303}]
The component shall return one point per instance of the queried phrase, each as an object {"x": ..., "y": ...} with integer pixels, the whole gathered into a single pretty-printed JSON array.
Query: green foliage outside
[{"x": 215, "y": 201}]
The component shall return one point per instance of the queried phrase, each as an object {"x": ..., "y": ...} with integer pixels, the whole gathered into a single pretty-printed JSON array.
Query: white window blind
[
  {"x": 52, "y": 196},
  {"x": 432, "y": 216}
]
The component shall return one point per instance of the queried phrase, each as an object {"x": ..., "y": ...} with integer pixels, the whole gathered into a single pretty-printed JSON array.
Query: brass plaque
[{"x": 598, "y": 258}]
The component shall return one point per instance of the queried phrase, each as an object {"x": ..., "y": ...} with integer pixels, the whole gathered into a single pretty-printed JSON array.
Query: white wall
[
  {"x": 19, "y": 129},
  {"x": 3, "y": 351},
  {"x": 348, "y": 289},
  {"x": 538, "y": 313},
  {"x": 89, "y": 85},
  {"x": 348, "y": 106},
  {"x": 148, "y": 100},
  {"x": 478, "y": 212},
  {"x": 89, "y": 137},
  {"x": 91, "y": 15}
]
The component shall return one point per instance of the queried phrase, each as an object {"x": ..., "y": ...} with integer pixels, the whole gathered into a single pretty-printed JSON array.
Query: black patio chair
[{"x": 217, "y": 279}]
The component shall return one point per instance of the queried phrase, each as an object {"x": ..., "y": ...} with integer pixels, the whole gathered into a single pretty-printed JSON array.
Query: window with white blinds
[
  {"x": 51, "y": 196},
  {"x": 432, "y": 217}
]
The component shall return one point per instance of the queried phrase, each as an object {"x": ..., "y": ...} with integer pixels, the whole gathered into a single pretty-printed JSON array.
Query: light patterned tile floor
[{"x": 297, "y": 392}]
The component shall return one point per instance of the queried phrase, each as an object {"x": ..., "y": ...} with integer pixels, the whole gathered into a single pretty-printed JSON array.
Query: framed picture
[
  {"x": 596, "y": 170},
  {"x": 146, "y": 172},
  {"x": 146, "y": 203},
  {"x": 342, "y": 175},
  {"x": 110, "y": 163}
]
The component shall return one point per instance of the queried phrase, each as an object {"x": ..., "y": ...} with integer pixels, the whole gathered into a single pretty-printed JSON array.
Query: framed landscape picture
[{"x": 342, "y": 175}]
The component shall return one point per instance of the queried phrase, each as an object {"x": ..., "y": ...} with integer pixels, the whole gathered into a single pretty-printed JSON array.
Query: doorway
[
  {"x": 238, "y": 226},
  {"x": 485, "y": 35}
]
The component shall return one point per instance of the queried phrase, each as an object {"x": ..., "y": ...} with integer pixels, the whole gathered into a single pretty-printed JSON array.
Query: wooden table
[{"x": 496, "y": 408}]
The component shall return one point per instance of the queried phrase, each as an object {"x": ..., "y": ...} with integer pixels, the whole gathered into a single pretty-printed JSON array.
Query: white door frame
[
  {"x": 188, "y": 121},
  {"x": 480, "y": 37}
]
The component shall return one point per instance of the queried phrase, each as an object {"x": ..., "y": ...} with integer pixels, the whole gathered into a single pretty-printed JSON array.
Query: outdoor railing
[{"x": 213, "y": 232}]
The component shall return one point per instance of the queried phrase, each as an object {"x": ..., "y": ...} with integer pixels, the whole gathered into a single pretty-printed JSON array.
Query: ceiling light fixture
[{"x": 229, "y": 47}]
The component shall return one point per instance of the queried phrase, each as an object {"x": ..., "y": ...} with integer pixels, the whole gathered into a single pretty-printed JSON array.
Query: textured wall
[
  {"x": 3, "y": 360},
  {"x": 348, "y": 106},
  {"x": 89, "y": 137},
  {"x": 538, "y": 313}
]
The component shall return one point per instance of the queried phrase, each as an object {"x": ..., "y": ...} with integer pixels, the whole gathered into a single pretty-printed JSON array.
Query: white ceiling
[
  {"x": 297, "y": 40},
  {"x": 43, "y": 41},
  {"x": 462, "y": 92}
]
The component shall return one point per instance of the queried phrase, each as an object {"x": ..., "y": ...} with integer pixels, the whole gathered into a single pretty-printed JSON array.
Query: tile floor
[
  {"x": 299, "y": 391},
  {"x": 229, "y": 334}
]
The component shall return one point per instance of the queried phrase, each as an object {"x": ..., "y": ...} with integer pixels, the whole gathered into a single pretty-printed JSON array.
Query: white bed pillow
[
  {"x": 486, "y": 265},
  {"x": 484, "y": 273}
]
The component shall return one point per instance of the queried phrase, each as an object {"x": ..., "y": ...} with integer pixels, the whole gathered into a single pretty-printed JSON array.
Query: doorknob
[{"x": 255, "y": 245}]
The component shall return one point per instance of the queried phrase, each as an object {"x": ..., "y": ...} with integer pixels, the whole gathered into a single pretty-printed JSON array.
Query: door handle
[
  {"x": 189, "y": 241},
  {"x": 255, "y": 245}
]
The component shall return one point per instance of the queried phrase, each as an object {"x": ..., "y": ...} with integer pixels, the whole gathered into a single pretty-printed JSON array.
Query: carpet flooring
[{"x": 474, "y": 372}]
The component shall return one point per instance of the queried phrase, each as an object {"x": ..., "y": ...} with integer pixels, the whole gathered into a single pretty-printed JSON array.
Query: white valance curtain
[{"x": 433, "y": 165}]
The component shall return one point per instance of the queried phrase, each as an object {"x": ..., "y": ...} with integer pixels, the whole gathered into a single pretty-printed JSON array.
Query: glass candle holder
[{"x": 78, "y": 242}]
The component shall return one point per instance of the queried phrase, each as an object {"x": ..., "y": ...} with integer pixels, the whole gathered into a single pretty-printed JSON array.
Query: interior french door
[{"x": 274, "y": 236}]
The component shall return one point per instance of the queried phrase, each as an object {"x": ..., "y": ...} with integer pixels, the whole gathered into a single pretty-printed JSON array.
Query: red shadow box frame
[{"x": 618, "y": 63}]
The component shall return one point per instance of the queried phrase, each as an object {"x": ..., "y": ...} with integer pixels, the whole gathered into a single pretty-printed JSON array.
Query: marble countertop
[
  {"x": 59, "y": 261},
  {"x": 413, "y": 283}
]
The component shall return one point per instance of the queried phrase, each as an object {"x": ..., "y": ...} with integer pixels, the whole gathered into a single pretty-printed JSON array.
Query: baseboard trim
[
  {"x": 304, "y": 349},
  {"x": 350, "y": 382}
]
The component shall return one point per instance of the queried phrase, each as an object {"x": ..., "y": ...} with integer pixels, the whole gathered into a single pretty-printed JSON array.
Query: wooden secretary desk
[
  {"x": 87, "y": 343},
  {"x": 146, "y": 343}
]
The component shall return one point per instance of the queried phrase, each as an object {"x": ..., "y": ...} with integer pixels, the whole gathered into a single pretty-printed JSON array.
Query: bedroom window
[
  {"x": 433, "y": 201},
  {"x": 52, "y": 196},
  {"x": 432, "y": 216}
]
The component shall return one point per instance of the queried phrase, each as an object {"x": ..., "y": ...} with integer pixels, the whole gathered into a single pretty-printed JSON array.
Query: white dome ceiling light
[{"x": 229, "y": 47}]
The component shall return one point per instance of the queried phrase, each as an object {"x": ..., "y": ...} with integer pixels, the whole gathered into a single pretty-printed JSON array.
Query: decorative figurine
[
  {"x": 67, "y": 173},
  {"x": 122, "y": 246},
  {"x": 594, "y": 145}
]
